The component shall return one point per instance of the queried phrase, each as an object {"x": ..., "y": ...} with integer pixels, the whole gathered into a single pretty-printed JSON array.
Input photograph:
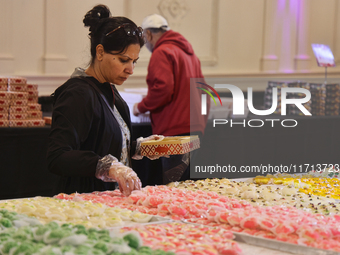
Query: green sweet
[
  {"x": 67, "y": 225},
  {"x": 4, "y": 237},
  {"x": 58, "y": 234},
  {"x": 104, "y": 232},
  {"x": 6, "y": 223},
  {"x": 20, "y": 236},
  {"x": 9, "y": 215},
  {"x": 101, "y": 246},
  {"x": 41, "y": 230},
  {"x": 8, "y": 246},
  {"x": 93, "y": 230},
  {"x": 81, "y": 231},
  {"x": 93, "y": 236},
  {"x": 106, "y": 239},
  {"x": 25, "y": 248},
  {"x": 132, "y": 240},
  {"x": 117, "y": 240},
  {"x": 82, "y": 250},
  {"x": 52, "y": 225},
  {"x": 66, "y": 248}
]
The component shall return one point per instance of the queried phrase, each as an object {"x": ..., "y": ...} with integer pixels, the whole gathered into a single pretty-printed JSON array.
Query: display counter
[{"x": 24, "y": 166}]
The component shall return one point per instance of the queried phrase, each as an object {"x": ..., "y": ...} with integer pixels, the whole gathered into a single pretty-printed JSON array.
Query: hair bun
[{"x": 93, "y": 18}]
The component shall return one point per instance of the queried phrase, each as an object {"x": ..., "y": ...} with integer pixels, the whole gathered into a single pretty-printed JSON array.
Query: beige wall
[{"x": 243, "y": 42}]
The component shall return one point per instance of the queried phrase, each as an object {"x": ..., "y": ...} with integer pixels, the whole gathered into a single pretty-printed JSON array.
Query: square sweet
[{"x": 171, "y": 145}]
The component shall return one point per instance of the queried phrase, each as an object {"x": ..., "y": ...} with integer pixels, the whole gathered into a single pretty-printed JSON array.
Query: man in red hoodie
[{"x": 172, "y": 64}]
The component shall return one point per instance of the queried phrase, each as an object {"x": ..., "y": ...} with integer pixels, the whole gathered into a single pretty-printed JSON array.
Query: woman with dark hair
[{"x": 89, "y": 143}]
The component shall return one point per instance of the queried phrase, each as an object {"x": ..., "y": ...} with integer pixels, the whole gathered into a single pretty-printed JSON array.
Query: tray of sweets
[{"x": 171, "y": 145}]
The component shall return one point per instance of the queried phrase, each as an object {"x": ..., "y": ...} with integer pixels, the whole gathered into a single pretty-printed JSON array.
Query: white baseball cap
[{"x": 155, "y": 21}]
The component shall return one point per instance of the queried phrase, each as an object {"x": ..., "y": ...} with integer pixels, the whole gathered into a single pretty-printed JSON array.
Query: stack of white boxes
[{"x": 19, "y": 103}]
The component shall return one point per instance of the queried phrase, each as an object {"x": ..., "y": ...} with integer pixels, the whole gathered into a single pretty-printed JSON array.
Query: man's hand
[{"x": 135, "y": 109}]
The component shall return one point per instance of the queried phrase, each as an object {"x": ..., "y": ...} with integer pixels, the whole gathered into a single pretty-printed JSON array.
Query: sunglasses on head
[{"x": 129, "y": 29}]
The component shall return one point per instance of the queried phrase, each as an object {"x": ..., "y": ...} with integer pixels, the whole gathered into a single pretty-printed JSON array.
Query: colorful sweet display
[
  {"x": 283, "y": 223},
  {"x": 32, "y": 237},
  {"x": 184, "y": 238},
  {"x": 84, "y": 212},
  {"x": 325, "y": 184},
  {"x": 265, "y": 195}
]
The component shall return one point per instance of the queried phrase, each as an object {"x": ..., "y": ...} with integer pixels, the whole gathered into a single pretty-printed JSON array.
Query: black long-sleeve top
[{"x": 83, "y": 131}]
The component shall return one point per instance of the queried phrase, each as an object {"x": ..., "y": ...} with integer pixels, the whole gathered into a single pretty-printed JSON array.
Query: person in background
[
  {"x": 172, "y": 64},
  {"x": 89, "y": 143}
]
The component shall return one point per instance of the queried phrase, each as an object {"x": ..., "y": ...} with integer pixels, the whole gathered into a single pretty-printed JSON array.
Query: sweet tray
[{"x": 171, "y": 145}]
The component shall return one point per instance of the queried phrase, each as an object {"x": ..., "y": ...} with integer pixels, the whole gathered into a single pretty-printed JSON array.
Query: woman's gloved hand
[
  {"x": 110, "y": 170},
  {"x": 127, "y": 178},
  {"x": 137, "y": 155}
]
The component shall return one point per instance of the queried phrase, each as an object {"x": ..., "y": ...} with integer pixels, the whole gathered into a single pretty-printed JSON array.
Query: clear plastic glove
[
  {"x": 127, "y": 178},
  {"x": 110, "y": 170},
  {"x": 137, "y": 155}
]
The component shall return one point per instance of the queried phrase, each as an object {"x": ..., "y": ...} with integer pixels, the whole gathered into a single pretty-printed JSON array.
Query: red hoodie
[{"x": 172, "y": 64}]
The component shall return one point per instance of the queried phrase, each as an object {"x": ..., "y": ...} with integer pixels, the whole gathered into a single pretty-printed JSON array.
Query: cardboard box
[
  {"x": 3, "y": 87},
  {"x": 32, "y": 100},
  {"x": 19, "y": 102},
  {"x": 18, "y": 123},
  {"x": 4, "y": 108},
  {"x": 48, "y": 120},
  {"x": 18, "y": 116},
  {"x": 4, "y": 123},
  {"x": 5, "y": 95},
  {"x": 3, "y": 80},
  {"x": 171, "y": 145},
  {"x": 17, "y": 80},
  {"x": 34, "y": 107},
  {"x": 17, "y": 87},
  {"x": 18, "y": 95},
  {"x": 36, "y": 123},
  {"x": 5, "y": 102},
  {"x": 34, "y": 115},
  {"x": 32, "y": 87},
  {"x": 17, "y": 109},
  {"x": 3, "y": 115}
]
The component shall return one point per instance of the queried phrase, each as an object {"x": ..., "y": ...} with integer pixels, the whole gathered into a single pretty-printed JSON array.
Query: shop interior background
[{"x": 248, "y": 42}]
